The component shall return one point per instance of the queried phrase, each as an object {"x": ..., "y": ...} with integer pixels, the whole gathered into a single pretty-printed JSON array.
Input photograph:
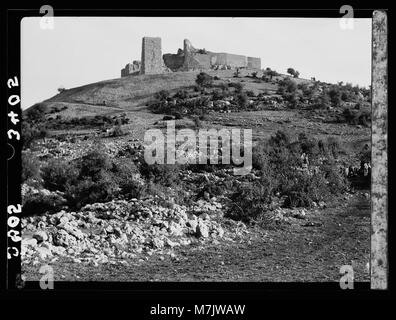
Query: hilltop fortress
[{"x": 186, "y": 59}]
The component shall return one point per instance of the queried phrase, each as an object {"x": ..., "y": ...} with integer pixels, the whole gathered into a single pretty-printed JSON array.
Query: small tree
[
  {"x": 293, "y": 72},
  {"x": 270, "y": 73}
]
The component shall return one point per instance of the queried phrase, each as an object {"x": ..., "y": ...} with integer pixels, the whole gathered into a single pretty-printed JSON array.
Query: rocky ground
[{"x": 139, "y": 241}]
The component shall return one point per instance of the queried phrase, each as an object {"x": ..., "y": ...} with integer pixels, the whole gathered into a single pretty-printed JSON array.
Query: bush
[
  {"x": 278, "y": 161},
  {"x": 117, "y": 131},
  {"x": 162, "y": 95},
  {"x": 308, "y": 145},
  {"x": 30, "y": 166},
  {"x": 219, "y": 95},
  {"x": 335, "y": 96},
  {"x": 287, "y": 86},
  {"x": 365, "y": 155},
  {"x": 126, "y": 174},
  {"x": 204, "y": 80},
  {"x": 58, "y": 174},
  {"x": 165, "y": 174},
  {"x": 250, "y": 93},
  {"x": 197, "y": 122},
  {"x": 86, "y": 180},
  {"x": 36, "y": 113},
  {"x": 30, "y": 132},
  {"x": 93, "y": 164},
  {"x": 181, "y": 94},
  {"x": 242, "y": 100},
  {"x": 334, "y": 146},
  {"x": 322, "y": 102},
  {"x": 250, "y": 200},
  {"x": 101, "y": 189},
  {"x": 38, "y": 203},
  {"x": 237, "y": 85}
]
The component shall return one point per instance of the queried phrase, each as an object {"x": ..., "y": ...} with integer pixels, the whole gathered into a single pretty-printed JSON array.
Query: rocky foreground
[
  {"x": 140, "y": 241},
  {"x": 119, "y": 230}
]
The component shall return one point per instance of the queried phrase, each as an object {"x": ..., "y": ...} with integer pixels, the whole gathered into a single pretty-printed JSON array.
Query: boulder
[
  {"x": 40, "y": 236},
  {"x": 62, "y": 238},
  {"x": 202, "y": 230}
]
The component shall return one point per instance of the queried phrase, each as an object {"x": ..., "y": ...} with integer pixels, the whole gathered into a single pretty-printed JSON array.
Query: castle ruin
[{"x": 186, "y": 59}]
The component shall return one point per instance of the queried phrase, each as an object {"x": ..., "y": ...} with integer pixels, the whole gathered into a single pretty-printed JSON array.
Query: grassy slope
[{"x": 130, "y": 93}]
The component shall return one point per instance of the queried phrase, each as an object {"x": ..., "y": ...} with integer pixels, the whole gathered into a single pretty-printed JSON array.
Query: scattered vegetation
[{"x": 279, "y": 163}]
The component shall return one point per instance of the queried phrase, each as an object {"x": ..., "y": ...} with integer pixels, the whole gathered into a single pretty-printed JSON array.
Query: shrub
[
  {"x": 335, "y": 96},
  {"x": 322, "y": 102},
  {"x": 365, "y": 155},
  {"x": 162, "y": 95},
  {"x": 181, "y": 94},
  {"x": 126, "y": 174},
  {"x": 36, "y": 113},
  {"x": 30, "y": 132},
  {"x": 94, "y": 163},
  {"x": 38, "y": 203},
  {"x": 336, "y": 182},
  {"x": 237, "y": 85},
  {"x": 219, "y": 95},
  {"x": 117, "y": 131},
  {"x": 250, "y": 200},
  {"x": 308, "y": 145},
  {"x": 30, "y": 166},
  {"x": 204, "y": 80},
  {"x": 250, "y": 93},
  {"x": 57, "y": 174},
  {"x": 165, "y": 174},
  {"x": 101, "y": 189},
  {"x": 242, "y": 100},
  {"x": 278, "y": 161},
  {"x": 287, "y": 86},
  {"x": 334, "y": 146},
  {"x": 197, "y": 122}
]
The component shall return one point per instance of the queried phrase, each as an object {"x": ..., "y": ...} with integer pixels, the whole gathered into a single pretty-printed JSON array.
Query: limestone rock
[
  {"x": 40, "y": 236},
  {"x": 202, "y": 230}
]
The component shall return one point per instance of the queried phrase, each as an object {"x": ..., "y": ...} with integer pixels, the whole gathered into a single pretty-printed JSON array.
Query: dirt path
[{"x": 311, "y": 249}]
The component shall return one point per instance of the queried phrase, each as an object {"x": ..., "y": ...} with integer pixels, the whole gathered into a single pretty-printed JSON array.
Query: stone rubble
[{"x": 120, "y": 230}]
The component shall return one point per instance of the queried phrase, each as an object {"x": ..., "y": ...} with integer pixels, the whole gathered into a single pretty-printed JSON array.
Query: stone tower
[{"x": 151, "y": 56}]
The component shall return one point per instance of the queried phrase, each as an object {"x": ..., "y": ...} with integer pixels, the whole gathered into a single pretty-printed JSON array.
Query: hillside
[
  {"x": 97, "y": 210},
  {"x": 130, "y": 93}
]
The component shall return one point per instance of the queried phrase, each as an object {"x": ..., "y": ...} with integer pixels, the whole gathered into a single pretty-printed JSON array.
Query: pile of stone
[
  {"x": 73, "y": 150},
  {"x": 124, "y": 231}
]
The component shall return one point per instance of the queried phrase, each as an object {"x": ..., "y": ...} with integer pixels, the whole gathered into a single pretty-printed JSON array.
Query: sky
[{"x": 83, "y": 50}]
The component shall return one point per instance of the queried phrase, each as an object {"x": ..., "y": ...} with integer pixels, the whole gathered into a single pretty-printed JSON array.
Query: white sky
[{"x": 83, "y": 50}]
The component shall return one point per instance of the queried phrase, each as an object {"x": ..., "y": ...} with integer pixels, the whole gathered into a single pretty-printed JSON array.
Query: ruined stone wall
[
  {"x": 197, "y": 61},
  {"x": 228, "y": 59},
  {"x": 236, "y": 60},
  {"x": 152, "y": 62},
  {"x": 189, "y": 58},
  {"x": 253, "y": 63},
  {"x": 131, "y": 69},
  {"x": 174, "y": 61}
]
